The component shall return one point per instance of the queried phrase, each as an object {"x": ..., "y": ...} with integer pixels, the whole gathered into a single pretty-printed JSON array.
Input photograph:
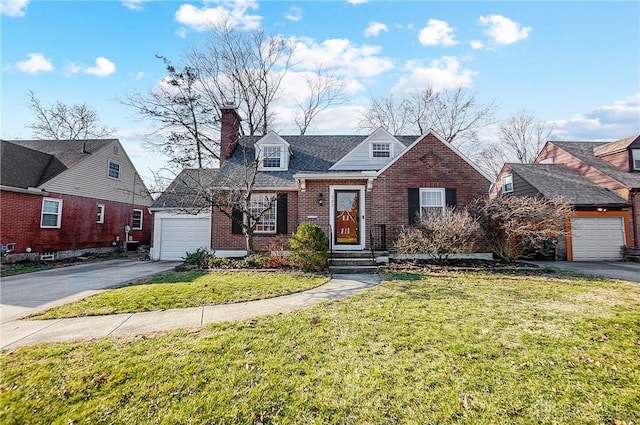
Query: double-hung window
[
  {"x": 137, "y": 220},
  {"x": 100, "y": 213},
  {"x": 507, "y": 184},
  {"x": 635, "y": 157},
  {"x": 380, "y": 150},
  {"x": 51, "y": 213},
  {"x": 432, "y": 201},
  {"x": 272, "y": 157},
  {"x": 113, "y": 170},
  {"x": 263, "y": 207}
]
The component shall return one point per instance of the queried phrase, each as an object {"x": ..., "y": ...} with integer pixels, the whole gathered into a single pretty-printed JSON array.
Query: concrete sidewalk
[{"x": 19, "y": 333}]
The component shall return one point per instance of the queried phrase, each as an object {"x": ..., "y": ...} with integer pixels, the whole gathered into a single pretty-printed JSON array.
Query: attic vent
[{"x": 116, "y": 150}]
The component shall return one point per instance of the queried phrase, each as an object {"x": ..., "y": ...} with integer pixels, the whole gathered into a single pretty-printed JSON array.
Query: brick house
[
  {"x": 62, "y": 198},
  {"x": 601, "y": 180},
  {"x": 360, "y": 189}
]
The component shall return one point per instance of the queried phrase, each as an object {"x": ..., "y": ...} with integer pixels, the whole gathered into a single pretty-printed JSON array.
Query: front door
[{"x": 347, "y": 219}]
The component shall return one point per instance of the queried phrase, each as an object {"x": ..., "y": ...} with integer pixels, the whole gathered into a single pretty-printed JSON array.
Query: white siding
[
  {"x": 175, "y": 234},
  {"x": 89, "y": 178},
  {"x": 359, "y": 158}
]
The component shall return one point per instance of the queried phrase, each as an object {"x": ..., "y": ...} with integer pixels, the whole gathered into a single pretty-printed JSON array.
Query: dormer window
[
  {"x": 507, "y": 184},
  {"x": 381, "y": 150},
  {"x": 271, "y": 156},
  {"x": 272, "y": 153},
  {"x": 635, "y": 158}
]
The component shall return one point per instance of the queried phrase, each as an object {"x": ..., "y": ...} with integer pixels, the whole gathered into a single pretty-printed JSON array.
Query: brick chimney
[{"x": 229, "y": 131}]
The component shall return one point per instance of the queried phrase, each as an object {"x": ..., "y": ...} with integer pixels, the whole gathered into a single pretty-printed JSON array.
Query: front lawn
[
  {"x": 188, "y": 289},
  {"x": 439, "y": 348}
]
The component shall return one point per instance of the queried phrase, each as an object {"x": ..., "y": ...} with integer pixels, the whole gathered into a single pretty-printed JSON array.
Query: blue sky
[{"x": 574, "y": 64}]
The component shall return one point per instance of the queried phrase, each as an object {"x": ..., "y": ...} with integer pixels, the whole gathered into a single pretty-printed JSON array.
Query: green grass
[
  {"x": 188, "y": 289},
  {"x": 448, "y": 348},
  {"x": 22, "y": 268}
]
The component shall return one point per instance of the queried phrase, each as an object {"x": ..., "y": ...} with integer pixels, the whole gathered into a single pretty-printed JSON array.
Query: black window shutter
[
  {"x": 236, "y": 227},
  {"x": 281, "y": 214},
  {"x": 414, "y": 205},
  {"x": 450, "y": 197}
]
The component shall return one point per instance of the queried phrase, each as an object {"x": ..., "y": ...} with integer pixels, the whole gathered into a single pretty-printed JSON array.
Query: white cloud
[
  {"x": 293, "y": 14},
  {"x": 36, "y": 64},
  {"x": 609, "y": 122},
  {"x": 104, "y": 67},
  {"x": 181, "y": 32},
  {"x": 13, "y": 8},
  {"x": 503, "y": 30},
  {"x": 374, "y": 29},
  {"x": 476, "y": 44},
  {"x": 71, "y": 68},
  {"x": 356, "y": 1},
  {"x": 436, "y": 33},
  {"x": 134, "y": 4},
  {"x": 444, "y": 73},
  {"x": 345, "y": 58},
  {"x": 235, "y": 13}
]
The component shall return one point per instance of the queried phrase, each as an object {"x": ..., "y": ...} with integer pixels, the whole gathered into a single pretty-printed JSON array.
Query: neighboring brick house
[
  {"x": 62, "y": 198},
  {"x": 600, "y": 224},
  {"x": 354, "y": 187}
]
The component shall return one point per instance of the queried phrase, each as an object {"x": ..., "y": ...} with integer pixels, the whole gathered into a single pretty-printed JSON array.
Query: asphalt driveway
[
  {"x": 24, "y": 294},
  {"x": 623, "y": 270}
]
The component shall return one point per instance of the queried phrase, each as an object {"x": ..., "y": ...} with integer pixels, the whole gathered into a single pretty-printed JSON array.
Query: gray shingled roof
[
  {"x": 585, "y": 152},
  {"x": 185, "y": 191},
  {"x": 309, "y": 153},
  {"x": 31, "y": 163},
  {"x": 556, "y": 180}
]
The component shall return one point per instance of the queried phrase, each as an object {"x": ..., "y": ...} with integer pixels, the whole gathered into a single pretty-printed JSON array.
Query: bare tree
[
  {"x": 523, "y": 136},
  {"x": 491, "y": 158},
  {"x": 187, "y": 124},
  {"x": 324, "y": 90},
  {"x": 456, "y": 115},
  {"x": 60, "y": 121},
  {"x": 231, "y": 193}
]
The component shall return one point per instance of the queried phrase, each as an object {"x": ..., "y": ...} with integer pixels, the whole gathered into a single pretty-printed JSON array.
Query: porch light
[{"x": 320, "y": 199}]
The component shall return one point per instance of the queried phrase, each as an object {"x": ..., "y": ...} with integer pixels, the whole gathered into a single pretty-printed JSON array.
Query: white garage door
[
  {"x": 179, "y": 235},
  {"x": 597, "y": 238}
]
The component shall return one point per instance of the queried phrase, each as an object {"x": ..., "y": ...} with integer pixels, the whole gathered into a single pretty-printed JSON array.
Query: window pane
[
  {"x": 137, "y": 219},
  {"x": 50, "y": 207},
  {"x": 50, "y": 220},
  {"x": 381, "y": 150},
  {"x": 267, "y": 223},
  {"x": 271, "y": 156},
  {"x": 114, "y": 170}
]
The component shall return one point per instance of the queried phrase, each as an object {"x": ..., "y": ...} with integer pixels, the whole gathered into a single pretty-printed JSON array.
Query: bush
[
  {"x": 440, "y": 234},
  {"x": 309, "y": 246},
  {"x": 278, "y": 250},
  {"x": 518, "y": 226},
  {"x": 200, "y": 258}
]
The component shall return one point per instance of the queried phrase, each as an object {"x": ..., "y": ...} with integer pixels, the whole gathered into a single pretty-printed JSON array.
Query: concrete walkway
[{"x": 19, "y": 333}]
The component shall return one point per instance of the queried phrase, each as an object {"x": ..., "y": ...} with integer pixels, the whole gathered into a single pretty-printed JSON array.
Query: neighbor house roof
[
  {"x": 309, "y": 154},
  {"x": 617, "y": 146},
  {"x": 31, "y": 163},
  {"x": 585, "y": 152},
  {"x": 556, "y": 180}
]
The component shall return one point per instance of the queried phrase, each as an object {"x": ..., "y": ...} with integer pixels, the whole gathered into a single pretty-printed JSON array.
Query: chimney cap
[{"x": 229, "y": 105}]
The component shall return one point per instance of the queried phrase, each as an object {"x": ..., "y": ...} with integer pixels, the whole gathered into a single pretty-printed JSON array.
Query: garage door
[
  {"x": 597, "y": 238},
  {"x": 179, "y": 235}
]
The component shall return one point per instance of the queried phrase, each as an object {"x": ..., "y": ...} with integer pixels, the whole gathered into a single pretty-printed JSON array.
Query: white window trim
[
  {"x": 260, "y": 157},
  {"x": 274, "y": 207},
  {"x": 59, "y": 218},
  {"x": 141, "y": 220},
  {"x": 507, "y": 180},
  {"x": 635, "y": 159},
  {"x": 100, "y": 217},
  {"x": 442, "y": 197},
  {"x": 111, "y": 161},
  {"x": 380, "y": 143}
]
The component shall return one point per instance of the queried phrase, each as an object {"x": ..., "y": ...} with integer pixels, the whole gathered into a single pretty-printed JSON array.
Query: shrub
[
  {"x": 309, "y": 246},
  {"x": 519, "y": 226},
  {"x": 199, "y": 258},
  {"x": 278, "y": 250},
  {"x": 440, "y": 234}
]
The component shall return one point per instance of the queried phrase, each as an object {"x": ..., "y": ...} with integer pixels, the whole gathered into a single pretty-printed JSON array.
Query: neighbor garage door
[
  {"x": 597, "y": 238},
  {"x": 181, "y": 234}
]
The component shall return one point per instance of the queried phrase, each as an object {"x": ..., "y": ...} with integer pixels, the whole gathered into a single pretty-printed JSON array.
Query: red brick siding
[
  {"x": 20, "y": 216},
  {"x": 429, "y": 164}
]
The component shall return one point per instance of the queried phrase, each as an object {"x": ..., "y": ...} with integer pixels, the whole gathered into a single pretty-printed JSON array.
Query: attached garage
[
  {"x": 175, "y": 234},
  {"x": 597, "y": 238}
]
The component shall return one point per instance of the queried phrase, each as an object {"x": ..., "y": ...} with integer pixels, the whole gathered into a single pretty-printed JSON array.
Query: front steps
[{"x": 352, "y": 262}]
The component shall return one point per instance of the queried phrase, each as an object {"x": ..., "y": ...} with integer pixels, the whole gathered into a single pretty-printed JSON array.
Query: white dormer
[
  {"x": 273, "y": 153},
  {"x": 373, "y": 153}
]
